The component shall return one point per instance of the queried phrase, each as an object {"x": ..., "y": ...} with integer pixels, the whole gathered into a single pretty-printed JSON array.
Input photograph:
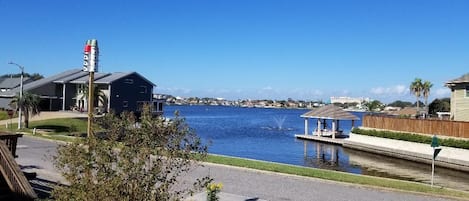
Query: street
[{"x": 35, "y": 155}]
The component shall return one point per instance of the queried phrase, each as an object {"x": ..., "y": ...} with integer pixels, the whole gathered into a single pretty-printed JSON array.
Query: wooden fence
[{"x": 425, "y": 126}]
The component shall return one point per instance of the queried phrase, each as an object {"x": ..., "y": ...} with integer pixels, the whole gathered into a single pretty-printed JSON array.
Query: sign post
[
  {"x": 436, "y": 150},
  {"x": 90, "y": 64}
]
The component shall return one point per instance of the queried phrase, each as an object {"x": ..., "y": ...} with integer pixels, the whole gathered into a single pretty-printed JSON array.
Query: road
[{"x": 35, "y": 154}]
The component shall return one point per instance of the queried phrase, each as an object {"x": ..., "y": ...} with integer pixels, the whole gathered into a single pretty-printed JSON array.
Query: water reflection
[
  {"x": 333, "y": 157},
  {"x": 326, "y": 156},
  {"x": 376, "y": 165}
]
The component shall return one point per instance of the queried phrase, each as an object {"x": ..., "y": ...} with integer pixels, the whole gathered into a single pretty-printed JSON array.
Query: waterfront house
[
  {"x": 9, "y": 83},
  {"x": 459, "y": 98},
  {"x": 124, "y": 91}
]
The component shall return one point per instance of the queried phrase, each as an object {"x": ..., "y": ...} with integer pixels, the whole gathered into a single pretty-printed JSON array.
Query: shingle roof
[
  {"x": 462, "y": 79},
  {"x": 41, "y": 82},
  {"x": 9, "y": 83},
  {"x": 330, "y": 112}
]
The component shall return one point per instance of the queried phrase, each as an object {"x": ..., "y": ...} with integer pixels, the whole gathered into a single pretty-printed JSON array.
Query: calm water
[{"x": 268, "y": 134}]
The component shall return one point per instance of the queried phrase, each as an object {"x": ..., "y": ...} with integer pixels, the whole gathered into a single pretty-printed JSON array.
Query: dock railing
[
  {"x": 448, "y": 128},
  {"x": 11, "y": 171}
]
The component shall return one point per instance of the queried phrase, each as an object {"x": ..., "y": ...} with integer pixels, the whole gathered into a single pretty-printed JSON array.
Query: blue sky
[{"x": 257, "y": 49}]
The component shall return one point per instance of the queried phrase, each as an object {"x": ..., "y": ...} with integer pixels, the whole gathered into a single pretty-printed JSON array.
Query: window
[
  {"x": 143, "y": 89},
  {"x": 125, "y": 103},
  {"x": 129, "y": 81}
]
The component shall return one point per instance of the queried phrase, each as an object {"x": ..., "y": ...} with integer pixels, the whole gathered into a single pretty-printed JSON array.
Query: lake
[{"x": 268, "y": 135}]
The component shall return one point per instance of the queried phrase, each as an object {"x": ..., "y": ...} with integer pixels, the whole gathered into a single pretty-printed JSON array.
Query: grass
[
  {"x": 337, "y": 176},
  {"x": 59, "y": 127}
]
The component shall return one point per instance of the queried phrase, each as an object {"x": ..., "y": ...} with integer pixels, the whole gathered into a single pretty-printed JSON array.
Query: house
[
  {"x": 64, "y": 91},
  {"x": 9, "y": 83},
  {"x": 459, "y": 98}
]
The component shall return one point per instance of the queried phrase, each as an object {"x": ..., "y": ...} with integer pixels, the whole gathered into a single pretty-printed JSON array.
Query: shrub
[{"x": 144, "y": 164}]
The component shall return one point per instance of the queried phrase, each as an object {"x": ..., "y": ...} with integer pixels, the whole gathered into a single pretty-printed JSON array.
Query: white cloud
[
  {"x": 397, "y": 90},
  {"x": 442, "y": 92}
]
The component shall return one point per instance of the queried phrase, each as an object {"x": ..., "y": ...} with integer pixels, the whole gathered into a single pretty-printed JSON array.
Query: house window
[
  {"x": 125, "y": 103},
  {"x": 129, "y": 81},
  {"x": 143, "y": 89}
]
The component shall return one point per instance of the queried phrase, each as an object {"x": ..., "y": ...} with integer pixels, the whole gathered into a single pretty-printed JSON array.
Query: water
[{"x": 268, "y": 134}]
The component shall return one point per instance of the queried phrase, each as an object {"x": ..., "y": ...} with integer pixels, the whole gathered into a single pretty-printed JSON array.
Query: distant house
[
  {"x": 64, "y": 91},
  {"x": 9, "y": 83},
  {"x": 459, "y": 98}
]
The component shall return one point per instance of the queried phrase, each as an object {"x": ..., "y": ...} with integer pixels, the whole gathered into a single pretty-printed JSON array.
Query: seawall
[{"x": 449, "y": 157}]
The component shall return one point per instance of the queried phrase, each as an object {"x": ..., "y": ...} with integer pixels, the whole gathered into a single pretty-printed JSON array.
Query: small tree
[
  {"x": 29, "y": 104},
  {"x": 426, "y": 86},
  {"x": 98, "y": 95},
  {"x": 416, "y": 88},
  {"x": 131, "y": 161}
]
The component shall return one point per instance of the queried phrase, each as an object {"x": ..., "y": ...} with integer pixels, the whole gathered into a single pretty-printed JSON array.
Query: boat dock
[{"x": 339, "y": 140}]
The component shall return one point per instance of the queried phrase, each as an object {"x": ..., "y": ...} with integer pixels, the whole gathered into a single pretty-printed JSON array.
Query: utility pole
[
  {"x": 90, "y": 65},
  {"x": 20, "y": 101}
]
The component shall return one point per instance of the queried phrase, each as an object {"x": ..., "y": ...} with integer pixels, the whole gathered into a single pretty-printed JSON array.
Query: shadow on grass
[{"x": 54, "y": 128}]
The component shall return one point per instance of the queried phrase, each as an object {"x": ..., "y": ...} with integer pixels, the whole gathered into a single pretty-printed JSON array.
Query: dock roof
[{"x": 330, "y": 112}]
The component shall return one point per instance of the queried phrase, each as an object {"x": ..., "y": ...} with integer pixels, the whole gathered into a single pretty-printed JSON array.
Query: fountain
[{"x": 279, "y": 121}]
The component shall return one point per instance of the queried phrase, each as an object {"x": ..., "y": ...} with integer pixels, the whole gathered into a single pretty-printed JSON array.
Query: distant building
[
  {"x": 459, "y": 98},
  {"x": 64, "y": 91},
  {"x": 9, "y": 83},
  {"x": 344, "y": 100}
]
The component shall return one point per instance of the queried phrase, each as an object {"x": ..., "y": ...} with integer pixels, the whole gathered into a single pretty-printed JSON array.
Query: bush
[
  {"x": 144, "y": 164},
  {"x": 449, "y": 142}
]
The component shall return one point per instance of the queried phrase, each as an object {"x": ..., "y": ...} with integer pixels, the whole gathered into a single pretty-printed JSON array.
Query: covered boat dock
[{"x": 328, "y": 112}]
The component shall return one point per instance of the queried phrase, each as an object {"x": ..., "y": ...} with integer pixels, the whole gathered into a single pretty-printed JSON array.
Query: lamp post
[{"x": 20, "y": 101}]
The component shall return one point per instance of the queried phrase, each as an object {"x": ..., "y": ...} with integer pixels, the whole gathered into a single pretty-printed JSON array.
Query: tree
[
  {"x": 131, "y": 161},
  {"x": 426, "y": 86},
  {"x": 416, "y": 88},
  {"x": 401, "y": 104},
  {"x": 373, "y": 105},
  {"x": 98, "y": 95},
  {"x": 29, "y": 104},
  {"x": 34, "y": 76},
  {"x": 439, "y": 105}
]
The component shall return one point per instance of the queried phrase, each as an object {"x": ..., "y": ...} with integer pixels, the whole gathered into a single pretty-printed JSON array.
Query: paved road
[{"x": 250, "y": 184}]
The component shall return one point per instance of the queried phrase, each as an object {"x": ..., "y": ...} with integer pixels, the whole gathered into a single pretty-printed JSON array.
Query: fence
[{"x": 425, "y": 126}]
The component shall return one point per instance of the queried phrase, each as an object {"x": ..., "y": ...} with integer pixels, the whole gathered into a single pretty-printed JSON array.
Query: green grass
[
  {"x": 449, "y": 142},
  {"x": 62, "y": 126},
  {"x": 337, "y": 176}
]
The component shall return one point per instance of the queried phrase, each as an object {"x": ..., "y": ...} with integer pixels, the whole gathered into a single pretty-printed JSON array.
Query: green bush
[{"x": 449, "y": 142}]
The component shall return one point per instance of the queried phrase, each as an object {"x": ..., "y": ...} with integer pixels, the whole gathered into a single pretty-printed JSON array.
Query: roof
[
  {"x": 75, "y": 76},
  {"x": 412, "y": 111},
  {"x": 40, "y": 82},
  {"x": 460, "y": 80},
  {"x": 330, "y": 112},
  {"x": 10, "y": 83}
]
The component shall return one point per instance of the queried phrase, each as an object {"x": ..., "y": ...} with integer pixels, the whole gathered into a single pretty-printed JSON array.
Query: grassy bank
[
  {"x": 337, "y": 176},
  {"x": 60, "y": 129},
  {"x": 449, "y": 142}
]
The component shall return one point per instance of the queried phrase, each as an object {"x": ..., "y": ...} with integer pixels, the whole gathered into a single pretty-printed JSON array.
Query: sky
[{"x": 256, "y": 49}]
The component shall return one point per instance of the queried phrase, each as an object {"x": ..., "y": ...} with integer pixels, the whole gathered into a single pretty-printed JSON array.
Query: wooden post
[
  {"x": 333, "y": 128},
  {"x": 90, "y": 103},
  {"x": 318, "y": 132},
  {"x": 306, "y": 126}
]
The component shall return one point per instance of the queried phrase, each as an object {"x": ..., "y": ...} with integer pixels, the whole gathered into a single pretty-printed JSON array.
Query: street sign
[
  {"x": 90, "y": 56},
  {"x": 436, "y": 151},
  {"x": 435, "y": 141}
]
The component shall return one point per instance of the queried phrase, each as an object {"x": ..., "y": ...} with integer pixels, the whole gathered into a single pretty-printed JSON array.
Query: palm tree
[
  {"x": 98, "y": 94},
  {"x": 29, "y": 104},
  {"x": 426, "y": 86},
  {"x": 416, "y": 88}
]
